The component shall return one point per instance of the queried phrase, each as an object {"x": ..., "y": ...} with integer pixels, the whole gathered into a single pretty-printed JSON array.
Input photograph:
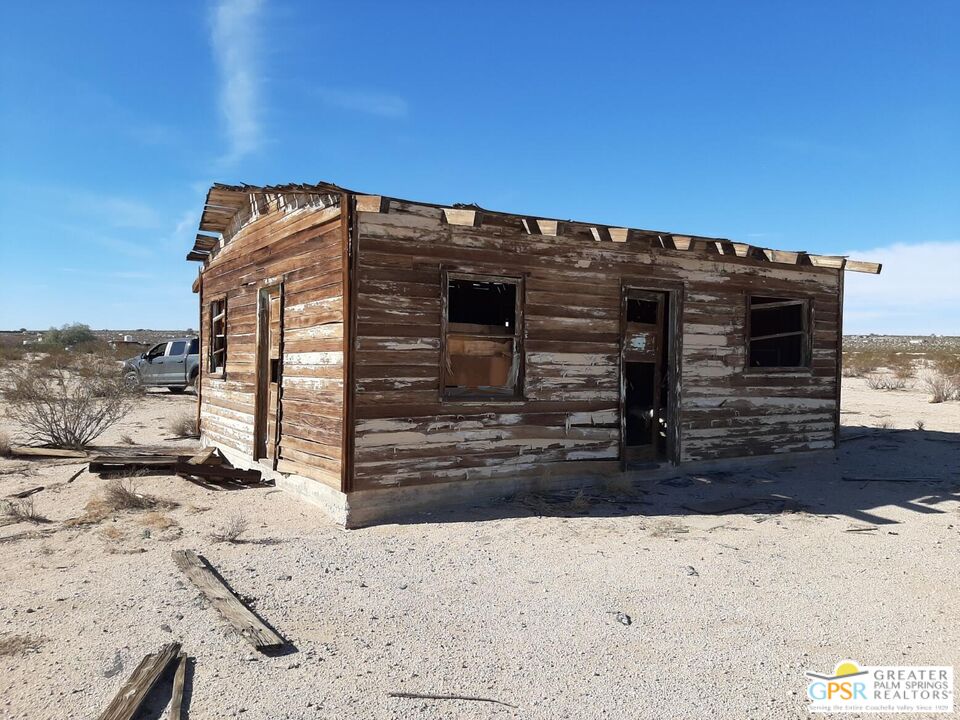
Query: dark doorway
[{"x": 645, "y": 376}]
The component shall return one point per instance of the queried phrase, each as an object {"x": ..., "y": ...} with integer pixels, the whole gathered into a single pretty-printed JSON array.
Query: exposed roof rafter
[{"x": 225, "y": 201}]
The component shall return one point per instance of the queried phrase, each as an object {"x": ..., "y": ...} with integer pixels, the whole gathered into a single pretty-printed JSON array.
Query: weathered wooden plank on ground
[
  {"x": 117, "y": 463},
  {"x": 27, "y": 451},
  {"x": 203, "y": 456},
  {"x": 250, "y": 627},
  {"x": 126, "y": 702},
  {"x": 217, "y": 472},
  {"x": 179, "y": 679},
  {"x": 26, "y": 493}
]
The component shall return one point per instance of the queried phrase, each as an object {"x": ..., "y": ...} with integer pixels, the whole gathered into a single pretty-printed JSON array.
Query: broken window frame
[
  {"x": 805, "y": 333},
  {"x": 482, "y": 393},
  {"x": 217, "y": 346}
]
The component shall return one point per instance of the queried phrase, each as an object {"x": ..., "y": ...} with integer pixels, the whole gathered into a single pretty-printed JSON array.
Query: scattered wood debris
[
  {"x": 206, "y": 465},
  {"x": 26, "y": 535},
  {"x": 127, "y": 463},
  {"x": 861, "y": 528},
  {"x": 42, "y": 452},
  {"x": 431, "y": 696},
  {"x": 722, "y": 505},
  {"x": 852, "y": 478},
  {"x": 127, "y": 701},
  {"x": 221, "y": 473},
  {"x": 26, "y": 493},
  {"x": 179, "y": 679},
  {"x": 204, "y": 456},
  {"x": 244, "y": 621}
]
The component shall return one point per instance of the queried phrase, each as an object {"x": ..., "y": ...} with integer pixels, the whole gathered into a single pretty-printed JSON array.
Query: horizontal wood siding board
[
  {"x": 303, "y": 248},
  {"x": 406, "y": 435}
]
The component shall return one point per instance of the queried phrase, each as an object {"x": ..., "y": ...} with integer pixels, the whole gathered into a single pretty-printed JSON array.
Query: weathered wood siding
[
  {"x": 300, "y": 243},
  {"x": 404, "y": 433}
]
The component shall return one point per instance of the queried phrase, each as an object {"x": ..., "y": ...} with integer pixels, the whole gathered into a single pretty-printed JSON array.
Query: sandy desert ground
[{"x": 517, "y": 603}]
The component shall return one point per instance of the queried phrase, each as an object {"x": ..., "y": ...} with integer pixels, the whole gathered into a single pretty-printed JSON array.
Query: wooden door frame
[
  {"x": 262, "y": 372},
  {"x": 673, "y": 326}
]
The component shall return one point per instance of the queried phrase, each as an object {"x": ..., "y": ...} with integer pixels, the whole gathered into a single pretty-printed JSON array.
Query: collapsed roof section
[{"x": 224, "y": 204}]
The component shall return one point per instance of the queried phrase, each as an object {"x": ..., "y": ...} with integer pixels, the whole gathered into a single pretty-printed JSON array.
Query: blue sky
[{"x": 824, "y": 126}]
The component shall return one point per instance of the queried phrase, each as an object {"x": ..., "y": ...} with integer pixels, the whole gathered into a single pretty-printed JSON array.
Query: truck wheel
[
  {"x": 131, "y": 379},
  {"x": 192, "y": 387}
]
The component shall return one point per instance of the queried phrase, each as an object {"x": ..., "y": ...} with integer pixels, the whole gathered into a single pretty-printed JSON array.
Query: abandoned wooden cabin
[{"x": 381, "y": 355}]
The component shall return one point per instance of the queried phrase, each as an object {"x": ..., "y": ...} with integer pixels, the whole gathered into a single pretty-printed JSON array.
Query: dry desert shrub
[
  {"x": 886, "y": 382},
  {"x": 10, "y": 354},
  {"x": 158, "y": 521},
  {"x": 232, "y": 531},
  {"x": 121, "y": 494},
  {"x": 946, "y": 362},
  {"x": 580, "y": 503},
  {"x": 940, "y": 386},
  {"x": 102, "y": 350},
  {"x": 112, "y": 532},
  {"x": 23, "y": 510},
  {"x": 857, "y": 363},
  {"x": 94, "y": 511},
  {"x": 619, "y": 485},
  {"x": 904, "y": 371},
  {"x": 4, "y": 445},
  {"x": 185, "y": 425},
  {"x": 50, "y": 364},
  {"x": 67, "y": 407},
  {"x": 13, "y": 644}
]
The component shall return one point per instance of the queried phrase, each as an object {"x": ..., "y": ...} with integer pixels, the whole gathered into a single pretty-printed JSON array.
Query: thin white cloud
[
  {"x": 365, "y": 101},
  {"x": 99, "y": 208},
  {"x": 125, "y": 213},
  {"x": 236, "y": 50},
  {"x": 85, "y": 236},
  {"x": 129, "y": 248},
  {"x": 181, "y": 238},
  {"x": 117, "y": 274},
  {"x": 916, "y": 293}
]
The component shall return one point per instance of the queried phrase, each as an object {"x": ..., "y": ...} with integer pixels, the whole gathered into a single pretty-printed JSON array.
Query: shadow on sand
[{"x": 917, "y": 470}]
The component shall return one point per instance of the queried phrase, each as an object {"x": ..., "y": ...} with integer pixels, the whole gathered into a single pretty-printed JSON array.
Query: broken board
[
  {"x": 26, "y": 451},
  {"x": 722, "y": 505},
  {"x": 244, "y": 621},
  {"x": 127, "y": 701},
  {"x": 204, "y": 456},
  {"x": 123, "y": 463},
  {"x": 217, "y": 472},
  {"x": 179, "y": 679}
]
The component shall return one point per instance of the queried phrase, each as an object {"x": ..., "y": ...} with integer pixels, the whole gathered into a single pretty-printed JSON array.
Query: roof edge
[{"x": 223, "y": 201}]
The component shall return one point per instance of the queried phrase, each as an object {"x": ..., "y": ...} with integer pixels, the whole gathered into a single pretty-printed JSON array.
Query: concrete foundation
[{"x": 372, "y": 507}]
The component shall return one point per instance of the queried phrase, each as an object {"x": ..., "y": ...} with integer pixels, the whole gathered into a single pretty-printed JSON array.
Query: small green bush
[{"x": 69, "y": 336}]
